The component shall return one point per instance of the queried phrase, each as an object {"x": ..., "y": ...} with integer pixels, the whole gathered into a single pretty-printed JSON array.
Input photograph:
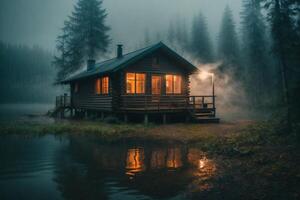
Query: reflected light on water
[
  {"x": 135, "y": 161},
  {"x": 174, "y": 158},
  {"x": 158, "y": 159},
  {"x": 206, "y": 169}
]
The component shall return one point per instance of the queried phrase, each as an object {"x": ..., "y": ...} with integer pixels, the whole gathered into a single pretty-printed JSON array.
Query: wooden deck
[
  {"x": 166, "y": 103},
  {"x": 200, "y": 108}
]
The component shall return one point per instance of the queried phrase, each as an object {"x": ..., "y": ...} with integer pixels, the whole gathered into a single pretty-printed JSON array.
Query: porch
[
  {"x": 201, "y": 108},
  {"x": 167, "y": 103}
]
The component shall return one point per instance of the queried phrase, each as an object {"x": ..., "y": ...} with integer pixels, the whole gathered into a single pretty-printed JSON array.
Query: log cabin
[{"x": 150, "y": 83}]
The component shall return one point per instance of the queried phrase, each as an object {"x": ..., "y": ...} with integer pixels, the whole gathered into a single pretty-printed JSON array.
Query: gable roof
[{"x": 116, "y": 64}]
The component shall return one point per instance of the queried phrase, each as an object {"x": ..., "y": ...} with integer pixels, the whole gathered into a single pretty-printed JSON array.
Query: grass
[{"x": 179, "y": 132}]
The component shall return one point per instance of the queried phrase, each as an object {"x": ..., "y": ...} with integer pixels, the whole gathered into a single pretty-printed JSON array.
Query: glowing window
[
  {"x": 135, "y": 83},
  {"x": 173, "y": 84},
  {"x": 104, "y": 85},
  {"x": 156, "y": 84},
  {"x": 130, "y": 83},
  {"x": 98, "y": 86},
  {"x": 177, "y": 84},
  {"x": 169, "y": 84}
]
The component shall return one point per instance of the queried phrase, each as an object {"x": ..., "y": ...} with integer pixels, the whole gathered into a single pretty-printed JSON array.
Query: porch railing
[
  {"x": 166, "y": 102},
  {"x": 63, "y": 101}
]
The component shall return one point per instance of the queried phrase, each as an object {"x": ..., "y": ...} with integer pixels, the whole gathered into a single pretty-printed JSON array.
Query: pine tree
[
  {"x": 61, "y": 60},
  {"x": 85, "y": 36},
  {"x": 281, "y": 21},
  {"x": 177, "y": 35},
  {"x": 200, "y": 43},
  {"x": 228, "y": 48},
  {"x": 257, "y": 67}
]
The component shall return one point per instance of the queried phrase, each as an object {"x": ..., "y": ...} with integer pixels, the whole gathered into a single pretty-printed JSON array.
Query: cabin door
[{"x": 156, "y": 85}]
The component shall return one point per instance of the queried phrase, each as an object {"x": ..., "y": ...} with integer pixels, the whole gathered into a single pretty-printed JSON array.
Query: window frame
[
  {"x": 161, "y": 84},
  {"x": 135, "y": 83},
  {"x": 173, "y": 84},
  {"x": 102, "y": 88},
  {"x": 99, "y": 81}
]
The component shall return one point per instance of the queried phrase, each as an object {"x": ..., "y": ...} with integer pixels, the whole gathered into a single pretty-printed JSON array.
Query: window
[
  {"x": 105, "y": 85},
  {"x": 76, "y": 88},
  {"x": 102, "y": 85},
  {"x": 169, "y": 84},
  {"x": 98, "y": 86},
  {"x": 156, "y": 84},
  {"x": 177, "y": 84},
  {"x": 173, "y": 84},
  {"x": 135, "y": 83},
  {"x": 130, "y": 83}
]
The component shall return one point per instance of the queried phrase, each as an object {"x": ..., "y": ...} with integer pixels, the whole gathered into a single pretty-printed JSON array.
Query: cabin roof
[{"x": 115, "y": 64}]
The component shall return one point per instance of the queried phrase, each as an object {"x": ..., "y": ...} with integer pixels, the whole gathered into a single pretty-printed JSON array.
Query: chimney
[
  {"x": 91, "y": 64},
  {"x": 120, "y": 51}
]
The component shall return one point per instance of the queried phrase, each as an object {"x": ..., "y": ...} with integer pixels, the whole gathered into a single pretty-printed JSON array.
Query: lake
[
  {"x": 23, "y": 111},
  {"x": 83, "y": 167}
]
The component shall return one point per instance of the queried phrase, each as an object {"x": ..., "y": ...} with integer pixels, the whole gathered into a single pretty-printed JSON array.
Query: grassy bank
[{"x": 179, "y": 132}]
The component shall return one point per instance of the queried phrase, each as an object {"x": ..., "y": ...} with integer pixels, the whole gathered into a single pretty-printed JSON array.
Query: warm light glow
[
  {"x": 98, "y": 86},
  {"x": 130, "y": 83},
  {"x": 177, "y": 84},
  {"x": 174, "y": 158},
  {"x": 140, "y": 83},
  {"x": 104, "y": 85},
  {"x": 203, "y": 75},
  {"x": 173, "y": 84},
  {"x": 156, "y": 84},
  {"x": 135, "y": 83},
  {"x": 202, "y": 163},
  {"x": 135, "y": 161}
]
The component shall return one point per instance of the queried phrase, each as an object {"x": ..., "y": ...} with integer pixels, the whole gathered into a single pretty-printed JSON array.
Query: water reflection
[
  {"x": 135, "y": 161},
  {"x": 174, "y": 158},
  {"x": 87, "y": 168},
  {"x": 206, "y": 168},
  {"x": 158, "y": 158}
]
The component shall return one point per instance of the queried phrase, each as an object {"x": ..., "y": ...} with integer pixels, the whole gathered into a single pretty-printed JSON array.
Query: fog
[{"x": 38, "y": 22}]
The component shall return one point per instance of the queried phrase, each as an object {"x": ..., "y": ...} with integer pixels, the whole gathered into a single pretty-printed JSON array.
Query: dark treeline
[
  {"x": 262, "y": 55},
  {"x": 26, "y": 74}
]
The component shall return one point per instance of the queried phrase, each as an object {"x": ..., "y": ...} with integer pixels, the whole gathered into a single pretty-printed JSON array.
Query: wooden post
[
  {"x": 164, "y": 118},
  {"x": 146, "y": 119},
  {"x": 194, "y": 102}
]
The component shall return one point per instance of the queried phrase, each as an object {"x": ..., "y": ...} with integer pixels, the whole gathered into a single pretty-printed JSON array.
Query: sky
[{"x": 38, "y": 22}]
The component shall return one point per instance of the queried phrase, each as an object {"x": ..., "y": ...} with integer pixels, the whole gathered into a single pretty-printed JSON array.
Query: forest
[
  {"x": 27, "y": 75},
  {"x": 261, "y": 56}
]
